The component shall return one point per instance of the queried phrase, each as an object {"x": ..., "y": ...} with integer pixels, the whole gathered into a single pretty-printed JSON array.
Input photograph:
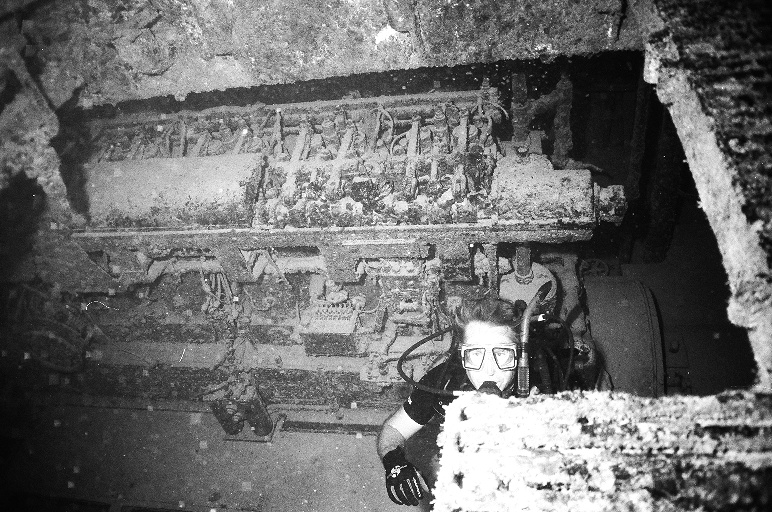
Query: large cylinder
[
  {"x": 173, "y": 192},
  {"x": 529, "y": 189}
]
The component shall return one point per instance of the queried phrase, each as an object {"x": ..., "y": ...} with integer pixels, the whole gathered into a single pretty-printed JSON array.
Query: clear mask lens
[
  {"x": 473, "y": 358},
  {"x": 505, "y": 357}
]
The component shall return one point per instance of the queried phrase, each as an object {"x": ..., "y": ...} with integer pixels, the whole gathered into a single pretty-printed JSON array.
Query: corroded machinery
[
  {"x": 367, "y": 210},
  {"x": 323, "y": 237}
]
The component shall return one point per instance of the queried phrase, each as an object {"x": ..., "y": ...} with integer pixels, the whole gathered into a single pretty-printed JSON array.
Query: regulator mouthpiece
[{"x": 489, "y": 388}]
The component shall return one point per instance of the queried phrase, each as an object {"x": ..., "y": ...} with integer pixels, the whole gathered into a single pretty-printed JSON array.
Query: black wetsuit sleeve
[{"x": 421, "y": 405}]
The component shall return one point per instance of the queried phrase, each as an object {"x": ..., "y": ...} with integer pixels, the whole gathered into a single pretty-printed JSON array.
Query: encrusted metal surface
[
  {"x": 121, "y": 50},
  {"x": 388, "y": 163},
  {"x": 606, "y": 451},
  {"x": 174, "y": 191}
]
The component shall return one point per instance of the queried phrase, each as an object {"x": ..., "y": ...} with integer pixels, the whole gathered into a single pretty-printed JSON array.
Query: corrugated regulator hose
[{"x": 523, "y": 370}]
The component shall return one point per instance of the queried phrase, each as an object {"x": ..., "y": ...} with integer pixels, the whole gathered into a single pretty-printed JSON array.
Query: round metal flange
[{"x": 625, "y": 327}]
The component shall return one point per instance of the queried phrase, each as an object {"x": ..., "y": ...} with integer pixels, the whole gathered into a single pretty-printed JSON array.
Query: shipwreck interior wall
[{"x": 657, "y": 112}]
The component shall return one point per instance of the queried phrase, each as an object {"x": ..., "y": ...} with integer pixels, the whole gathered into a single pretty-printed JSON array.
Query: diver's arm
[
  {"x": 397, "y": 429},
  {"x": 404, "y": 484}
]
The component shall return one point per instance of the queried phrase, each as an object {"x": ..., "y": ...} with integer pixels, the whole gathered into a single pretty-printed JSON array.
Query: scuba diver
[{"x": 486, "y": 361}]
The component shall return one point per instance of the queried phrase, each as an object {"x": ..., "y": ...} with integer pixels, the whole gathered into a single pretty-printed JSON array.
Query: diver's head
[{"x": 489, "y": 344}]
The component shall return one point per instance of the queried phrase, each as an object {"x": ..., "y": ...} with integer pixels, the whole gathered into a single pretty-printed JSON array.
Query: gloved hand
[{"x": 403, "y": 481}]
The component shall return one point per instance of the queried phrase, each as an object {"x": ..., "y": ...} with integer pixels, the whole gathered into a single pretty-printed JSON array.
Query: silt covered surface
[{"x": 116, "y": 51}]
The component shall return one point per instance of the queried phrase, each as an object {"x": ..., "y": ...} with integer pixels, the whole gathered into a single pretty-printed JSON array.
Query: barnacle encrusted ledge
[{"x": 606, "y": 451}]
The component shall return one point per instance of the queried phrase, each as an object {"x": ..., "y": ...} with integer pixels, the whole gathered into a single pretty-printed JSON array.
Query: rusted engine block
[
  {"x": 336, "y": 228},
  {"x": 412, "y": 160}
]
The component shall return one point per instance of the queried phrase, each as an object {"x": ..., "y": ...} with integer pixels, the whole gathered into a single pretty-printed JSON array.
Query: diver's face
[{"x": 489, "y": 355}]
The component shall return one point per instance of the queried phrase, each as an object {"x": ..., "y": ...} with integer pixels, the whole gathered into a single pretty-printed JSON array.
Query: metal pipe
[
  {"x": 293, "y": 113},
  {"x": 179, "y": 267},
  {"x": 523, "y": 263}
]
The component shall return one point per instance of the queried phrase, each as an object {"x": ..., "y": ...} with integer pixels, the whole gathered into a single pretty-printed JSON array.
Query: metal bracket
[{"x": 246, "y": 435}]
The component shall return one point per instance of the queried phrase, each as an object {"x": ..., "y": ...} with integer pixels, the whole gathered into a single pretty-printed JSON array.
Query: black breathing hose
[
  {"x": 570, "y": 336},
  {"x": 418, "y": 385},
  {"x": 557, "y": 367},
  {"x": 570, "y": 353}
]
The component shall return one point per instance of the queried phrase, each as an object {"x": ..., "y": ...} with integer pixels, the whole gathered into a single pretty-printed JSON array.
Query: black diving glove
[{"x": 403, "y": 481}]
